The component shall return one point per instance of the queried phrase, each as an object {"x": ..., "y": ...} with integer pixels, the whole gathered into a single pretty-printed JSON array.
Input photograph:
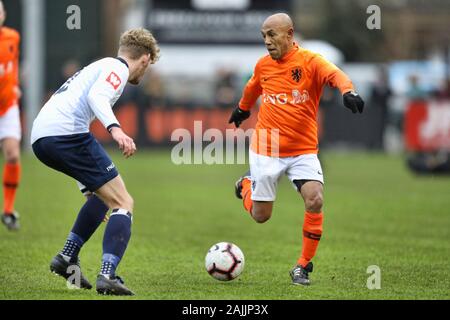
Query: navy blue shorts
[{"x": 80, "y": 156}]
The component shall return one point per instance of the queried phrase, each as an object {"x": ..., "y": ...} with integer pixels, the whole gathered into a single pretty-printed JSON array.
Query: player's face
[
  {"x": 276, "y": 40},
  {"x": 143, "y": 63}
]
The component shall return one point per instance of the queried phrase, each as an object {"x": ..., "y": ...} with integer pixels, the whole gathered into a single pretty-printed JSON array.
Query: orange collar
[{"x": 288, "y": 54}]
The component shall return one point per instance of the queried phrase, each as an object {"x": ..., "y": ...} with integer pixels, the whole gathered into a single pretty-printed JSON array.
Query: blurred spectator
[
  {"x": 380, "y": 95},
  {"x": 444, "y": 91},
  {"x": 329, "y": 99},
  {"x": 153, "y": 88},
  {"x": 430, "y": 163},
  {"x": 69, "y": 68},
  {"x": 133, "y": 94},
  {"x": 225, "y": 89},
  {"x": 415, "y": 92}
]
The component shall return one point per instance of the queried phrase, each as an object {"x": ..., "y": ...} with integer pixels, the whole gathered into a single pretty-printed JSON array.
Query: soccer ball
[{"x": 224, "y": 261}]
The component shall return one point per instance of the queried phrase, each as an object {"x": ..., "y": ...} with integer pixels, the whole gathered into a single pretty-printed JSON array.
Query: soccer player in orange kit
[
  {"x": 10, "y": 130},
  {"x": 290, "y": 80}
]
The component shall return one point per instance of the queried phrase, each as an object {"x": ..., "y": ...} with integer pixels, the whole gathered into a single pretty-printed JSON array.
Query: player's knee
[
  {"x": 12, "y": 156},
  {"x": 261, "y": 218},
  {"x": 123, "y": 201},
  {"x": 314, "y": 202},
  {"x": 261, "y": 215},
  {"x": 11, "y": 150},
  {"x": 128, "y": 203}
]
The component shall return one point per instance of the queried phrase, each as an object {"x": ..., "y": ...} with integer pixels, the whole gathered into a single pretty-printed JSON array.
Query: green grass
[{"x": 376, "y": 213}]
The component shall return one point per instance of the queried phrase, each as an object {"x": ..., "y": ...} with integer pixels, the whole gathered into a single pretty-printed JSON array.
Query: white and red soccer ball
[{"x": 224, "y": 261}]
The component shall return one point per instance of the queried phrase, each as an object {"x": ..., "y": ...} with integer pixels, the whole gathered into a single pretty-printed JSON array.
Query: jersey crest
[{"x": 296, "y": 74}]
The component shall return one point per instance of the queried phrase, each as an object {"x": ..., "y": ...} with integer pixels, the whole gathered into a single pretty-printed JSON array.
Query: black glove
[
  {"x": 353, "y": 101},
  {"x": 238, "y": 116}
]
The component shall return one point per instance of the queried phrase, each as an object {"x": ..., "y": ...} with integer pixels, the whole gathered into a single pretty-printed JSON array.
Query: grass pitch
[{"x": 376, "y": 213}]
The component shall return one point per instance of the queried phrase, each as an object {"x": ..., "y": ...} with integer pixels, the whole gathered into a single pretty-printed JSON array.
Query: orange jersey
[
  {"x": 9, "y": 68},
  {"x": 291, "y": 89}
]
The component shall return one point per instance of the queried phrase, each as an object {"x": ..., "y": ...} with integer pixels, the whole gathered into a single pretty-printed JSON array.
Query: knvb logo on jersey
[
  {"x": 297, "y": 97},
  {"x": 296, "y": 74},
  {"x": 114, "y": 80}
]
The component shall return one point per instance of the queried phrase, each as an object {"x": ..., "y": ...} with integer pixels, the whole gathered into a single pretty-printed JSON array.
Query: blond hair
[{"x": 137, "y": 42}]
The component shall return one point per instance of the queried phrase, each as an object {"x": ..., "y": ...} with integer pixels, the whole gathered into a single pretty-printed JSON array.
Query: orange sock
[
  {"x": 11, "y": 178},
  {"x": 246, "y": 194},
  {"x": 312, "y": 231}
]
